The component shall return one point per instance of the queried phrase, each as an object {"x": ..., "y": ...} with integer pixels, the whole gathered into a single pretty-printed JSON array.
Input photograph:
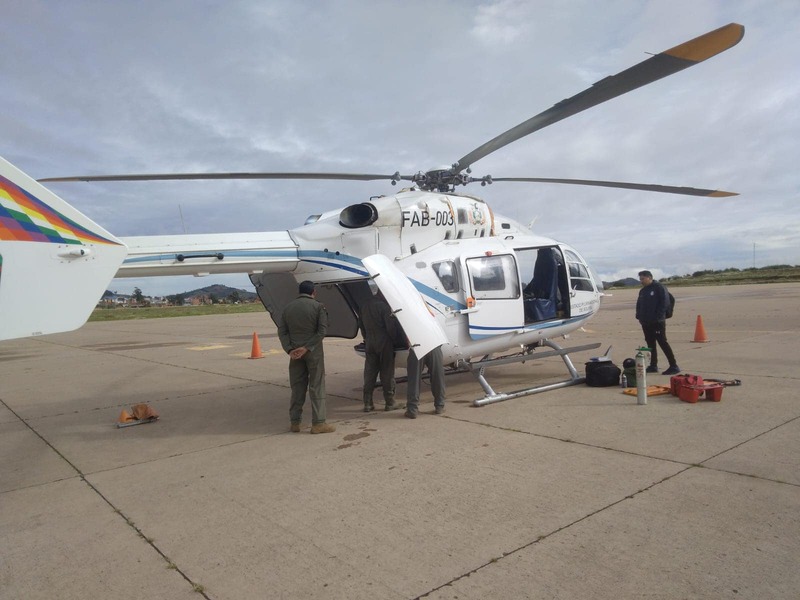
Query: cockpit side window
[
  {"x": 493, "y": 277},
  {"x": 447, "y": 274},
  {"x": 579, "y": 276}
]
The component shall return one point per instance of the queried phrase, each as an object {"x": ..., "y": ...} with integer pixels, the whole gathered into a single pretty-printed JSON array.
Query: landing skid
[{"x": 479, "y": 368}]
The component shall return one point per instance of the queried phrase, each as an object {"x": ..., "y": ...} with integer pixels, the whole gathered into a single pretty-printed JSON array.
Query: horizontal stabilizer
[{"x": 55, "y": 263}]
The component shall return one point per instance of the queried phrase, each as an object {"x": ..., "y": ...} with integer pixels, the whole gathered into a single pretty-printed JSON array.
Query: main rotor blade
[
  {"x": 666, "y": 63},
  {"x": 179, "y": 176},
  {"x": 647, "y": 187}
]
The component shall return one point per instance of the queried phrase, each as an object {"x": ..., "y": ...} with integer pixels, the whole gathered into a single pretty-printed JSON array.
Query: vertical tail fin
[{"x": 55, "y": 263}]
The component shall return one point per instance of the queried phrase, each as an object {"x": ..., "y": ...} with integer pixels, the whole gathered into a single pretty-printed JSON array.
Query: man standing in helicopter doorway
[
  {"x": 379, "y": 327},
  {"x": 651, "y": 312}
]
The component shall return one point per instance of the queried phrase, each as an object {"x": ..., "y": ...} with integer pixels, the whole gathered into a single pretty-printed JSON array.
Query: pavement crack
[
  {"x": 156, "y": 362},
  {"x": 554, "y": 532},
  {"x": 639, "y": 454},
  {"x": 128, "y": 521},
  {"x": 742, "y": 443},
  {"x": 686, "y": 468},
  {"x": 127, "y": 404}
]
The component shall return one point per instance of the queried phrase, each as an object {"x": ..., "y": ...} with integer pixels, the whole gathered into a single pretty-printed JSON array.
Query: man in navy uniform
[{"x": 651, "y": 312}]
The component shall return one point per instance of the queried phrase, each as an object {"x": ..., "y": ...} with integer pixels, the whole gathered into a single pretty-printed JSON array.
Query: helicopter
[{"x": 456, "y": 274}]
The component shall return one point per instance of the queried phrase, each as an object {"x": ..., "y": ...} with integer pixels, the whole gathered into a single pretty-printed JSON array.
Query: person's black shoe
[
  {"x": 369, "y": 407},
  {"x": 410, "y": 415},
  {"x": 652, "y": 369},
  {"x": 673, "y": 370}
]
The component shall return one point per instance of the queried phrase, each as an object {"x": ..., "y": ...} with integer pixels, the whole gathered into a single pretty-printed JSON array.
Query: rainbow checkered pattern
[{"x": 25, "y": 218}]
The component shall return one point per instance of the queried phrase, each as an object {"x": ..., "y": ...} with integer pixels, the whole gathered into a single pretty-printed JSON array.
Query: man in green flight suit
[
  {"x": 379, "y": 327},
  {"x": 301, "y": 328}
]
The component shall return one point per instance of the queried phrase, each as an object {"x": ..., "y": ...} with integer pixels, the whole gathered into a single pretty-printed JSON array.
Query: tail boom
[
  {"x": 205, "y": 254},
  {"x": 55, "y": 263}
]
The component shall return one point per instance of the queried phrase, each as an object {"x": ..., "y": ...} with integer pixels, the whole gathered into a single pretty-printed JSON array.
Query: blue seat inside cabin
[{"x": 541, "y": 293}]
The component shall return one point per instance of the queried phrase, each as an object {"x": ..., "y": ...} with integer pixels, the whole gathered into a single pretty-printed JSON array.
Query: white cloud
[
  {"x": 500, "y": 23},
  {"x": 378, "y": 86}
]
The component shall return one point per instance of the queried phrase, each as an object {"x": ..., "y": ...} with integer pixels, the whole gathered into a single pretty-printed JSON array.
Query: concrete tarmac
[{"x": 574, "y": 493}]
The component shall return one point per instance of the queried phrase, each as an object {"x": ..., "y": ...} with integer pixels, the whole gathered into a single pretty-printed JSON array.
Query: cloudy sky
[{"x": 100, "y": 87}]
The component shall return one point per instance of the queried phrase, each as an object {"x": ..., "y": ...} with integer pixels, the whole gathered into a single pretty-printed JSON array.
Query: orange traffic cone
[
  {"x": 700, "y": 331},
  {"x": 256, "y": 351}
]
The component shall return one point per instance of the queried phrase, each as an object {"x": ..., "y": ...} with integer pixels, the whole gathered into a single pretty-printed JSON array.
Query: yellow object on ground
[
  {"x": 652, "y": 390},
  {"x": 141, "y": 413}
]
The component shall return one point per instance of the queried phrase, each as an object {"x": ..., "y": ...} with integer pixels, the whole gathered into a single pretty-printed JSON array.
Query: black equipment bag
[
  {"x": 670, "y": 305},
  {"x": 602, "y": 373}
]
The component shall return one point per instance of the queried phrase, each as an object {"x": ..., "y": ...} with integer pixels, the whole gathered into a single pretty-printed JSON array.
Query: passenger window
[
  {"x": 582, "y": 285},
  {"x": 493, "y": 277},
  {"x": 447, "y": 274},
  {"x": 578, "y": 273},
  {"x": 578, "y": 270}
]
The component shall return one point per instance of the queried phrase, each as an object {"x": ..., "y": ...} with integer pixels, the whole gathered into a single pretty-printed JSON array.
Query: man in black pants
[
  {"x": 434, "y": 361},
  {"x": 651, "y": 312}
]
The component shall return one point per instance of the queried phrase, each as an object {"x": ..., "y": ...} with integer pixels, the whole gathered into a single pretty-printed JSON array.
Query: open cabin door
[
  {"x": 545, "y": 287},
  {"x": 584, "y": 297},
  {"x": 492, "y": 281},
  {"x": 423, "y": 331},
  {"x": 276, "y": 290}
]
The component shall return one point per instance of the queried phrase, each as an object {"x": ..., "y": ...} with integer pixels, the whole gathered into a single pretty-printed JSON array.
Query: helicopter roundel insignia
[{"x": 476, "y": 216}]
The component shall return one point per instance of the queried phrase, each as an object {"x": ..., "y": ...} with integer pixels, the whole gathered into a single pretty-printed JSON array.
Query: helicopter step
[{"x": 479, "y": 369}]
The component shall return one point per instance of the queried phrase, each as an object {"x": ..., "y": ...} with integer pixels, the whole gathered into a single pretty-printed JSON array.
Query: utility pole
[{"x": 180, "y": 210}]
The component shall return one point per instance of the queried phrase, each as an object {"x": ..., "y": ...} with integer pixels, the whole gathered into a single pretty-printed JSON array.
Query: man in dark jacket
[
  {"x": 379, "y": 326},
  {"x": 651, "y": 312},
  {"x": 301, "y": 328}
]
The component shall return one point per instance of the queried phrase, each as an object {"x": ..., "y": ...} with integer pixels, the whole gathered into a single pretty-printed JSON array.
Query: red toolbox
[
  {"x": 714, "y": 391},
  {"x": 678, "y": 381},
  {"x": 689, "y": 388},
  {"x": 690, "y": 393}
]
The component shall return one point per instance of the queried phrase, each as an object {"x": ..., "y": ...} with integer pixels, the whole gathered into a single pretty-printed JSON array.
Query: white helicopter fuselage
[
  {"x": 456, "y": 275},
  {"x": 491, "y": 284}
]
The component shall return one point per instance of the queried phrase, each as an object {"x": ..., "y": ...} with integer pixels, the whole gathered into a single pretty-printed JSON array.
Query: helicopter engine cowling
[
  {"x": 358, "y": 215},
  {"x": 398, "y": 226}
]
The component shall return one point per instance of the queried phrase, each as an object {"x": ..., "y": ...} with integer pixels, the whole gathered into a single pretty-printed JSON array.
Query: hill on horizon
[
  {"x": 627, "y": 282},
  {"x": 219, "y": 291}
]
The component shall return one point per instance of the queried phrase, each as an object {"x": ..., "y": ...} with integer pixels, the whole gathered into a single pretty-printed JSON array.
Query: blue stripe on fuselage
[{"x": 475, "y": 329}]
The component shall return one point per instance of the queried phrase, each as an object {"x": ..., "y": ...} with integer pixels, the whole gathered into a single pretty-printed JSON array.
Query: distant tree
[
  {"x": 138, "y": 296},
  {"x": 177, "y": 299},
  {"x": 234, "y": 297}
]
